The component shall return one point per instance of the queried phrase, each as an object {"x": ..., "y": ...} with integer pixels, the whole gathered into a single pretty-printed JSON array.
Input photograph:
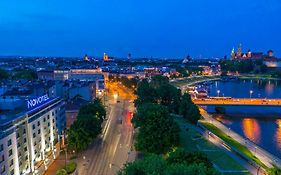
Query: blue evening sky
[{"x": 144, "y": 28}]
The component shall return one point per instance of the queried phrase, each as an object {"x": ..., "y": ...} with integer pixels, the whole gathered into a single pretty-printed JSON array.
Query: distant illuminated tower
[
  {"x": 105, "y": 57},
  {"x": 270, "y": 53},
  {"x": 233, "y": 53},
  {"x": 239, "y": 50},
  {"x": 129, "y": 56},
  {"x": 86, "y": 58},
  {"x": 249, "y": 54}
]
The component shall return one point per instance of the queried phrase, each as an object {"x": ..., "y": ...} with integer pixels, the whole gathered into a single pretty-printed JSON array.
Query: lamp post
[
  {"x": 218, "y": 92},
  {"x": 251, "y": 92}
]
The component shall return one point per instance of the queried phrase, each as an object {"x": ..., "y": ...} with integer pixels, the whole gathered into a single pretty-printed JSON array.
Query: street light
[
  {"x": 251, "y": 92},
  {"x": 218, "y": 91}
]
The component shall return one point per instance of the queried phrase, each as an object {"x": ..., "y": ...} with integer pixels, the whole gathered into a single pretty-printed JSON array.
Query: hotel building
[{"x": 30, "y": 134}]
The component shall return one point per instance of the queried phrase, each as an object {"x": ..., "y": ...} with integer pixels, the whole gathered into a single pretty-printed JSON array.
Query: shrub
[
  {"x": 61, "y": 172},
  {"x": 70, "y": 167}
]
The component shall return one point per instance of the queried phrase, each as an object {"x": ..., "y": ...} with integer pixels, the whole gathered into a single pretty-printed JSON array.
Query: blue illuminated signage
[{"x": 31, "y": 103}]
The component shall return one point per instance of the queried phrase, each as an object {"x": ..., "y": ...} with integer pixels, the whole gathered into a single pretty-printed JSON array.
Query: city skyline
[{"x": 144, "y": 29}]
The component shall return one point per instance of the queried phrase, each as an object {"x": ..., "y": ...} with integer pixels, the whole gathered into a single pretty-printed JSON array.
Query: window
[
  {"x": 44, "y": 119},
  {"x": 38, "y": 123},
  {"x": 26, "y": 157},
  {"x": 33, "y": 126},
  {"x": 48, "y": 117},
  {"x": 1, "y": 147},
  {"x": 18, "y": 135},
  {"x": 9, "y": 142},
  {"x": 2, "y": 158},
  {"x": 24, "y": 140},
  {"x": 39, "y": 131},
  {"x": 18, "y": 144},
  {"x": 34, "y": 135},
  {"x": 10, "y": 152},
  {"x": 12, "y": 172},
  {"x": 24, "y": 131},
  {"x": 3, "y": 169},
  {"x": 25, "y": 149},
  {"x": 11, "y": 162},
  {"x": 35, "y": 143},
  {"x": 48, "y": 123}
]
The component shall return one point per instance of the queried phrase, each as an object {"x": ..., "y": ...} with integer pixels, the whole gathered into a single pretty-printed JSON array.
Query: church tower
[
  {"x": 233, "y": 53},
  {"x": 239, "y": 51}
]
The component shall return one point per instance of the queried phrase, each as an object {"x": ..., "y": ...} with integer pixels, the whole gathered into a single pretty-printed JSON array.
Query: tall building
[
  {"x": 105, "y": 57},
  {"x": 86, "y": 58},
  {"x": 239, "y": 51},
  {"x": 30, "y": 136}
]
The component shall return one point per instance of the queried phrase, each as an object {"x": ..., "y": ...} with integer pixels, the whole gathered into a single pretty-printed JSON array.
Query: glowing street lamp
[
  {"x": 115, "y": 96},
  {"x": 218, "y": 92},
  {"x": 251, "y": 92}
]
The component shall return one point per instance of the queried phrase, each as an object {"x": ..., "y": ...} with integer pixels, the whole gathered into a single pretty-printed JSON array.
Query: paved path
[{"x": 267, "y": 158}]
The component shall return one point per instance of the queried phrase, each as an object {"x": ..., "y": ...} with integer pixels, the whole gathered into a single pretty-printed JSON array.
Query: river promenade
[{"x": 268, "y": 159}]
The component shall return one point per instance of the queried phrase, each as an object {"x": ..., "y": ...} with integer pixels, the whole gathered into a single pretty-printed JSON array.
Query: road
[
  {"x": 265, "y": 157},
  {"x": 237, "y": 102},
  {"x": 108, "y": 153}
]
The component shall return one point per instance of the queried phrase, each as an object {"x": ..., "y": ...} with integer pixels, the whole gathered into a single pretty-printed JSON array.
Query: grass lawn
[
  {"x": 192, "y": 141},
  {"x": 239, "y": 147}
]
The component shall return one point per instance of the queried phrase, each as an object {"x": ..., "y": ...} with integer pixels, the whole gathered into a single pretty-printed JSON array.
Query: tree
[
  {"x": 168, "y": 95},
  {"x": 95, "y": 108},
  {"x": 145, "y": 93},
  {"x": 78, "y": 138},
  {"x": 188, "y": 109},
  {"x": 158, "y": 80},
  {"x": 158, "y": 133},
  {"x": 275, "y": 171},
  {"x": 87, "y": 126},
  {"x": 150, "y": 165},
  {"x": 27, "y": 74},
  {"x": 191, "y": 169},
  {"x": 3, "y": 74},
  {"x": 157, "y": 165},
  {"x": 180, "y": 156}
]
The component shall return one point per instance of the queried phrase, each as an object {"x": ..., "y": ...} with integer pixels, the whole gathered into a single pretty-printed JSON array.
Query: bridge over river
[{"x": 213, "y": 101}]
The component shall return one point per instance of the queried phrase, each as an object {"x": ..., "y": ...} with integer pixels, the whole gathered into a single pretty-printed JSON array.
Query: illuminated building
[
  {"x": 105, "y": 57},
  {"x": 86, "y": 58},
  {"x": 30, "y": 136},
  {"x": 270, "y": 53},
  {"x": 247, "y": 55}
]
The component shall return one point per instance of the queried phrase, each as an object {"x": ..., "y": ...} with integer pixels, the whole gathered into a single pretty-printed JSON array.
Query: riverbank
[{"x": 263, "y": 156}]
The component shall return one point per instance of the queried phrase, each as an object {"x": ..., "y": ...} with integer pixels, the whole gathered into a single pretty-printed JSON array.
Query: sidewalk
[{"x": 58, "y": 163}]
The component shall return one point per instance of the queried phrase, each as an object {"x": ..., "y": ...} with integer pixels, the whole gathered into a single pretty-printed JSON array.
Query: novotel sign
[{"x": 31, "y": 103}]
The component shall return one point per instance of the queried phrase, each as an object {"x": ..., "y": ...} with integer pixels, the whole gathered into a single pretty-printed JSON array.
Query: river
[{"x": 261, "y": 125}]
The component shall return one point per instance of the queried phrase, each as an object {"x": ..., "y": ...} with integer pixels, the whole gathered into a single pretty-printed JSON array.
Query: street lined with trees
[{"x": 158, "y": 133}]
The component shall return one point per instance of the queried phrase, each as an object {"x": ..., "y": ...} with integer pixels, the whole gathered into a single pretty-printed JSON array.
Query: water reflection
[
  {"x": 251, "y": 129},
  {"x": 269, "y": 88},
  {"x": 278, "y": 133}
]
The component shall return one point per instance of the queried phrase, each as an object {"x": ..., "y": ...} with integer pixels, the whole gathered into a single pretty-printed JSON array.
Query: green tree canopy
[
  {"x": 188, "y": 109},
  {"x": 157, "y": 165},
  {"x": 158, "y": 132},
  {"x": 3, "y": 74},
  {"x": 27, "y": 74},
  {"x": 87, "y": 126}
]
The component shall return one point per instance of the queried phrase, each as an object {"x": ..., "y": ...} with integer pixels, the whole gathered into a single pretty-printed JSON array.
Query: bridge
[{"x": 237, "y": 102}]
